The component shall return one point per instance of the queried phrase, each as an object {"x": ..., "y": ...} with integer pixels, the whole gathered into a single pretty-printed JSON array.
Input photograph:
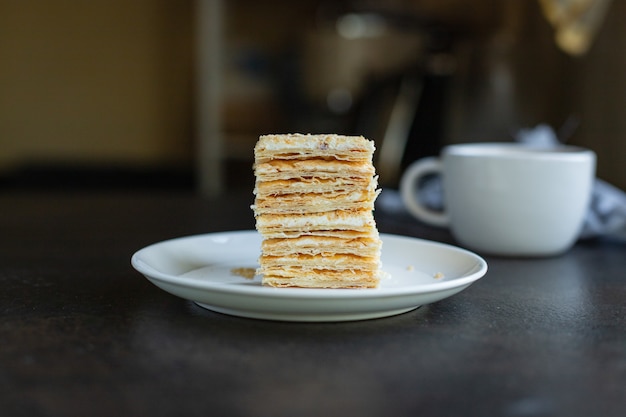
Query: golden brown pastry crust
[
  {"x": 314, "y": 201},
  {"x": 299, "y": 146}
]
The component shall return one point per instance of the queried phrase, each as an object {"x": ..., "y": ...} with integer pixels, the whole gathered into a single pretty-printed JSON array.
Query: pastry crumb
[
  {"x": 410, "y": 268},
  {"x": 438, "y": 275},
  {"x": 247, "y": 273}
]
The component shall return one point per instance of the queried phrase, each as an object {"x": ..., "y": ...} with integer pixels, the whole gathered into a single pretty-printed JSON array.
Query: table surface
[{"x": 83, "y": 334}]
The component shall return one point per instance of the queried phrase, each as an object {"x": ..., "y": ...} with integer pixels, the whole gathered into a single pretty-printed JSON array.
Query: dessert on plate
[{"x": 314, "y": 202}]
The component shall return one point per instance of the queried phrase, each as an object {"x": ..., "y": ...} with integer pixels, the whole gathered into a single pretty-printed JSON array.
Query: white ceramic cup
[{"x": 506, "y": 198}]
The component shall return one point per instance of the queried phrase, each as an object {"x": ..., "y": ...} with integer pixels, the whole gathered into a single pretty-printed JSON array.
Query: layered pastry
[{"x": 314, "y": 202}]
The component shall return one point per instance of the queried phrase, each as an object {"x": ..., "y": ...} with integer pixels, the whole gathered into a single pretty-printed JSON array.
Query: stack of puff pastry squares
[{"x": 314, "y": 202}]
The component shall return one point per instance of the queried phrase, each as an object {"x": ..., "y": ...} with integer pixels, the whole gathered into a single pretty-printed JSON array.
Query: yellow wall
[{"x": 95, "y": 81}]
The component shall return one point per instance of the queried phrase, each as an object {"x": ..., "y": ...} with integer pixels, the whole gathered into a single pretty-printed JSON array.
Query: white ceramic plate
[{"x": 206, "y": 269}]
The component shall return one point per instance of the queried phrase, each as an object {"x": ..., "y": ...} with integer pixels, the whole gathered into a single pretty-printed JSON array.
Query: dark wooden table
[{"x": 83, "y": 334}]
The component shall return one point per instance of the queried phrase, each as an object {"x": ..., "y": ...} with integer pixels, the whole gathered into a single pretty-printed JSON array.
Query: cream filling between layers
[
  {"x": 313, "y": 184},
  {"x": 313, "y": 167},
  {"x": 344, "y": 234},
  {"x": 320, "y": 278},
  {"x": 317, "y": 245},
  {"x": 335, "y": 262},
  {"x": 315, "y": 202},
  {"x": 359, "y": 220}
]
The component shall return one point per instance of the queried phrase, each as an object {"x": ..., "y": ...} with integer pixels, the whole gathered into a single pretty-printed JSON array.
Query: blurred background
[{"x": 174, "y": 93}]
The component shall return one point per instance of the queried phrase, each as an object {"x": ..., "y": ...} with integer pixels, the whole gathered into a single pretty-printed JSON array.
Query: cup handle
[{"x": 408, "y": 190}]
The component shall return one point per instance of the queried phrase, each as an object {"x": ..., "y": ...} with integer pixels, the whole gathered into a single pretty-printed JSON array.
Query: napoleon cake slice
[{"x": 314, "y": 198}]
